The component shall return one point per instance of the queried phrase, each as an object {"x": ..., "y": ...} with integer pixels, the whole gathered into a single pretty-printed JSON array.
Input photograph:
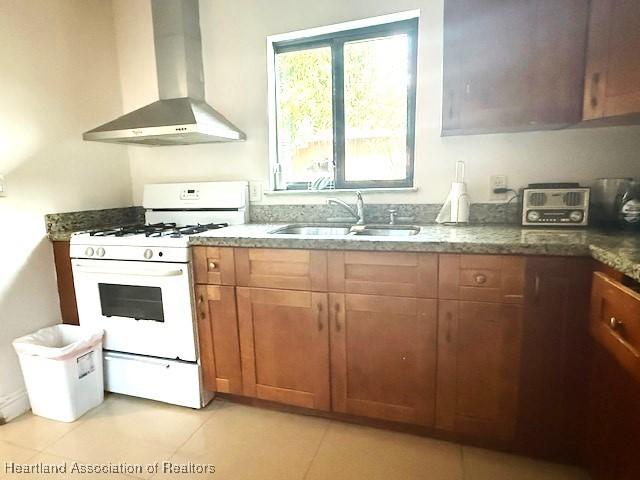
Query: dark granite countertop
[{"x": 619, "y": 250}]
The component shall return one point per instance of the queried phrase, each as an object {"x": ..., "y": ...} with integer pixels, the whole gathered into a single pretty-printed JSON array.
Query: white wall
[
  {"x": 234, "y": 34},
  {"x": 58, "y": 78}
]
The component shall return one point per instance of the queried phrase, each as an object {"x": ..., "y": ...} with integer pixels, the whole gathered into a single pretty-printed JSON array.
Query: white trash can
[{"x": 62, "y": 369}]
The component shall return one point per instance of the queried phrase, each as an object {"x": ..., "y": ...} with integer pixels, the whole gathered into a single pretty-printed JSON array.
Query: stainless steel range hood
[{"x": 180, "y": 116}]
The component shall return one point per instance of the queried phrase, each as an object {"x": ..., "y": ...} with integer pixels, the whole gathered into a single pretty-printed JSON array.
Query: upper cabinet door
[
  {"x": 612, "y": 83},
  {"x": 383, "y": 357},
  {"x": 384, "y": 273},
  {"x": 281, "y": 268},
  {"x": 284, "y": 338},
  {"x": 513, "y": 65}
]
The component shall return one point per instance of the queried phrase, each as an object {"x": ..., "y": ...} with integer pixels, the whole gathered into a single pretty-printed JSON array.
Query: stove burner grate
[{"x": 156, "y": 230}]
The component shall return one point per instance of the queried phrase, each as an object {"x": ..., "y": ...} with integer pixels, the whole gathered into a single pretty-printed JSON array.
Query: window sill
[{"x": 342, "y": 190}]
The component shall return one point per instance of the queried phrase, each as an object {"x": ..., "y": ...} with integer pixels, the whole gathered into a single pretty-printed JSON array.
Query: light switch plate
[
  {"x": 255, "y": 191},
  {"x": 3, "y": 187}
]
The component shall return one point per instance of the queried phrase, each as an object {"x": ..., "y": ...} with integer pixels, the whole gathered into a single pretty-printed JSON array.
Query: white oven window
[{"x": 131, "y": 301}]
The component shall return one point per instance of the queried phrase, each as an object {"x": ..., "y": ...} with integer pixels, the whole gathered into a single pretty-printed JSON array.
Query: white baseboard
[{"x": 13, "y": 405}]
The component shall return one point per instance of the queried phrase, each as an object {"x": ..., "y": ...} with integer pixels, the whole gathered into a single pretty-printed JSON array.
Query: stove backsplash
[
  {"x": 60, "y": 225},
  {"x": 418, "y": 213}
]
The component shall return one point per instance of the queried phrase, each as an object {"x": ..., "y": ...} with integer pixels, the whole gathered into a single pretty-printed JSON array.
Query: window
[{"x": 343, "y": 108}]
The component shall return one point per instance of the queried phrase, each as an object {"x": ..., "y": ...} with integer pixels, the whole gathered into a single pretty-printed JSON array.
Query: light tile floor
[{"x": 250, "y": 443}]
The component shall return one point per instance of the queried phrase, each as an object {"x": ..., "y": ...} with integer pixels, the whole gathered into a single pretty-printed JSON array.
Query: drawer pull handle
[
  {"x": 212, "y": 265},
  {"x": 320, "y": 325},
  {"x": 615, "y": 323},
  {"x": 338, "y": 317},
  {"x": 481, "y": 279}
]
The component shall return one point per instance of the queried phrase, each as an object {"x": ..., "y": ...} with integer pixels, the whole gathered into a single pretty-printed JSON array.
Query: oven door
[{"x": 143, "y": 307}]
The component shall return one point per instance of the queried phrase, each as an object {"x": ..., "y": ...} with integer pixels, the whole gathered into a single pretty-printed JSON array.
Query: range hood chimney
[{"x": 180, "y": 116}]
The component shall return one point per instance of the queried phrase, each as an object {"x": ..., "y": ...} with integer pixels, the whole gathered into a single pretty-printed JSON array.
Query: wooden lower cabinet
[
  {"x": 613, "y": 421},
  {"x": 383, "y": 357},
  {"x": 556, "y": 351},
  {"x": 218, "y": 338},
  {"x": 478, "y": 368},
  {"x": 284, "y": 338},
  {"x": 64, "y": 277}
]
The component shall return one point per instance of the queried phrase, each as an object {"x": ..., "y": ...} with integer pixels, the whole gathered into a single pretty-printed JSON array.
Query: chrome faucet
[{"x": 358, "y": 213}]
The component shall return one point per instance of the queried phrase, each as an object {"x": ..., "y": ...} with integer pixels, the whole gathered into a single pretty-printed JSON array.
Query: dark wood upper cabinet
[
  {"x": 612, "y": 80},
  {"x": 513, "y": 65}
]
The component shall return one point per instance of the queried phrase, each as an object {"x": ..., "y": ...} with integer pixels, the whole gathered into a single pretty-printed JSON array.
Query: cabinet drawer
[
  {"x": 481, "y": 278},
  {"x": 384, "y": 273},
  {"x": 281, "y": 268},
  {"x": 615, "y": 321},
  {"x": 213, "y": 265}
]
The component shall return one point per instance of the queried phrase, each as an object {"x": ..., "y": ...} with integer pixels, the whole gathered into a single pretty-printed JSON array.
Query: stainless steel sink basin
[
  {"x": 336, "y": 230},
  {"x": 342, "y": 230},
  {"x": 387, "y": 230}
]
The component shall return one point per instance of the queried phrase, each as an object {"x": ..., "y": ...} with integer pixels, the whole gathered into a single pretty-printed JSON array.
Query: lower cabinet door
[
  {"x": 284, "y": 337},
  {"x": 383, "y": 357},
  {"x": 218, "y": 338},
  {"x": 479, "y": 348}
]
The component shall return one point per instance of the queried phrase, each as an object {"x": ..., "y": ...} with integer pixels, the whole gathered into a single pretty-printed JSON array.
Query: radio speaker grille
[
  {"x": 537, "y": 199},
  {"x": 572, "y": 199}
]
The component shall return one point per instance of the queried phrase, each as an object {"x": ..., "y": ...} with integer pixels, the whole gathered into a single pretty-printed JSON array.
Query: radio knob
[
  {"x": 148, "y": 253},
  {"x": 100, "y": 252},
  {"x": 575, "y": 216},
  {"x": 533, "y": 216},
  {"x": 89, "y": 252}
]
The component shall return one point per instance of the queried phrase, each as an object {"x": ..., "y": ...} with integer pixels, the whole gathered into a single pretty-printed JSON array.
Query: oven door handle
[{"x": 137, "y": 272}]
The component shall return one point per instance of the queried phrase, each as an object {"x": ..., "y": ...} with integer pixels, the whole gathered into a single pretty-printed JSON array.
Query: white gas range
[{"x": 135, "y": 282}]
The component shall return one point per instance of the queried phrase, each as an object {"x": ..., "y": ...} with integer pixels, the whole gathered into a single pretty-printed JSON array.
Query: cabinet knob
[
  {"x": 212, "y": 265},
  {"x": 615, "y": 323},
  {"x": 481, "y": 278}
]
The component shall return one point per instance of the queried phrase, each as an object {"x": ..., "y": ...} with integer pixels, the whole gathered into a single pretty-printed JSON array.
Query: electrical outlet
[
  {"x": 497, "y": 181},
  {"x": 3, "y": 187},
  {"x": 255, "y": 191}
]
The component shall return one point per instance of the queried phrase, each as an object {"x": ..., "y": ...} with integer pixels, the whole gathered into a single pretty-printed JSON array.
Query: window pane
[
  {"x": 376, "y": 76},
  {"x": 304, "y": 114}
]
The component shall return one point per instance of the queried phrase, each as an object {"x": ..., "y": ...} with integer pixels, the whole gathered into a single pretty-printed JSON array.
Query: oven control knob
[
  {"x": 533, "y": 216},
  {"x": 148, "y": 253},
  {"x": 100, "y": 252},
  {"x": 89, "y": 252}
]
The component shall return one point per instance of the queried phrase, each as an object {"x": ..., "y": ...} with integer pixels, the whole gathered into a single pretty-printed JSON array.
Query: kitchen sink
[
  {"x": 386, "y": 230},
  {"x": 342, "y": 230},
  {"x": 313, "y": 230}
]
